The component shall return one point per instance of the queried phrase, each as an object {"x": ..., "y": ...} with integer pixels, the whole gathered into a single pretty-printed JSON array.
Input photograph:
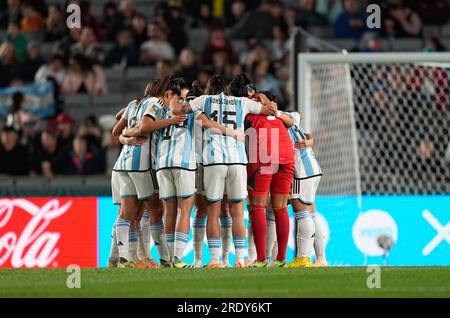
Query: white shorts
[
  {"x": 138, "y": 184},
  {"x": 176, "y": 183},
  {"x": 305, "y": 189},
  {"x": 199, "y": 180},
  {"x": 115, "y": 187},
  {"x": 232, "y": 178}
]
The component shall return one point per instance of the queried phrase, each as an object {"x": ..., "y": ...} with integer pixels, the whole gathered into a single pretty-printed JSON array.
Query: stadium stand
[{"x": 177, "y": 19}]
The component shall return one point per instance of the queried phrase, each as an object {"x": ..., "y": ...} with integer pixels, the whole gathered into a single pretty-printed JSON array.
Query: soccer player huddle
[{"x": 214, "y": 149}]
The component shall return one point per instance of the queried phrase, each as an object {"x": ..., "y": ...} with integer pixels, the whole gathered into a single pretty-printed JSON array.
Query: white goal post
[{"x": 380, "y": 121}]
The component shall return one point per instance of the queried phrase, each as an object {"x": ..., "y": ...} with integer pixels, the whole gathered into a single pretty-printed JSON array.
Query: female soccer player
[
  {"x": 310, "y": 231},
  {"x": 135, "y": 165},
  {"x": 224, "y": 163},
  {"x": 271, "y": 167}
]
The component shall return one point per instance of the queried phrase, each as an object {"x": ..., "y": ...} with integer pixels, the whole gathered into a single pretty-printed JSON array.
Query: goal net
[{"x": 380, "y": 121}]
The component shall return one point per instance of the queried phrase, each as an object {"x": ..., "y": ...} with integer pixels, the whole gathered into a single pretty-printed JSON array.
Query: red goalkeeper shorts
[{"x": 264, "y": 177}]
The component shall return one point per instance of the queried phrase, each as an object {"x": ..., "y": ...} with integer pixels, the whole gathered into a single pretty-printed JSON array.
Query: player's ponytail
[{"x": 150, "y": 89}]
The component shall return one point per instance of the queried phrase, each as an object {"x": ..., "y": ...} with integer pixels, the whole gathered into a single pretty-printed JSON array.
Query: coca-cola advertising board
[{"x": 48, "y": 232}]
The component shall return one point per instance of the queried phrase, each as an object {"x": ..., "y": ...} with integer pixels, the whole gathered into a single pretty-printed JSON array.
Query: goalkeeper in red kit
[{"x": 271, "y": 168}]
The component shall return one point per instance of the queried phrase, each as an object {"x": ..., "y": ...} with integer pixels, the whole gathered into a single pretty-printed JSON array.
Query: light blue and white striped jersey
[
  {"x": 176, "y": 144},
  {"x": 229, "y": 111},
  {"x": 139, "y": 158},
  {"x": 306, "y": 164}
]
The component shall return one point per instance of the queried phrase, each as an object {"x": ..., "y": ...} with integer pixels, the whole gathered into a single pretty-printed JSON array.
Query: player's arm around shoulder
[
  {"x": 217, "y": 128},
  {"x": 179, "y": 107}
]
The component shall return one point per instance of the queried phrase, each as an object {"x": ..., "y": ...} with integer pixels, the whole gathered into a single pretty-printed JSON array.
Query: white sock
[
  {"x": 180, "y": 244},
  {"x": 132, "y": 245},
  {"x": 319, "y": 239},
  {"x": 157, "y": 232},
  {"x": 251, "y": 243},
  {"x": 198, "y": 233},
  {"x": 144, "y": 238},
  {"x": 225, "y": 231},
  {"x": 170, "y": 237},
  {"x": 305, "y": 233},
  {"x": 271, "y": 233},
  {"x": 122, "y": 232},
  {"x": 239, "y": 248},
  {"x": 114, "y": 253},
  {"x": 214, "y": 249}
]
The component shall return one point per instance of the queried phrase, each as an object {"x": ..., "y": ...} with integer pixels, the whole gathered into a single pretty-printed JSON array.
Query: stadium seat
[
  {"x": 46, "y": 50},
  {"x": 137, "y": 78},
  {"x": 239, "y": 46},
  {"x": 115, "y": 78},
  {"x": 445, "y": 31},
  {"x": 322, "y": 31},
  {"x": 446, "y": 43},
  {"x": 112, "y": 101},
  {"x": 407, "y": 44},
  {"x": 431, "y": 30},
  {"x": 197, "y": 39},
  {"x": 347, "y": 44}
]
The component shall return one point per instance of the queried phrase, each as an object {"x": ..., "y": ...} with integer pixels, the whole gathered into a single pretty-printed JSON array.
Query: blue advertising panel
[{"x": 418, "y": 226}]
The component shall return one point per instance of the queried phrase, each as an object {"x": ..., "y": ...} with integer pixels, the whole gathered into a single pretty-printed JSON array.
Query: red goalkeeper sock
[
  {"x": 282, "y": 225},
  {"x": 259, "y": 227}
]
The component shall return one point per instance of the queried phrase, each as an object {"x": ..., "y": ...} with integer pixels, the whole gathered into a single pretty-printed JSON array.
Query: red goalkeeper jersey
[{"x": 268, "y": 141}]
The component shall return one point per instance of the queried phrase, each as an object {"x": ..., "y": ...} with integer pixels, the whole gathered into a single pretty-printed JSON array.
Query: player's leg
[
  {"x": 144, "y": 240},
  {"x": 280, "y": 188},
  {"x": 319, "y": 237},
  {"x": 114, "y": 252},
  {"x": 199, "y": 228},
  {"x": 236, "y": 185},
  {"x": 251, "y": 248},
  {"x": 258, "y": 188},
  {"x": 185, "y": 187},
  {"x": 214, "y": 181},
  {"x": 271, "y": 243},
  {"x": 225, "y": 231},
  {"x": 129, "y": 207}
]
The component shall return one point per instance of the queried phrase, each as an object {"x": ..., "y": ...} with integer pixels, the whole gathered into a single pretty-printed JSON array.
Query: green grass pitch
[{"x": 270, "y": 282}]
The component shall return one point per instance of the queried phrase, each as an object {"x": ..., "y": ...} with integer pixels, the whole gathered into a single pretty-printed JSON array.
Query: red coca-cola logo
[{"x": 48, "y": 232}]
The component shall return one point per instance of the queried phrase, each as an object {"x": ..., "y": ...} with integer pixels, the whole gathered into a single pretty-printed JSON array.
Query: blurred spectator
[
  {"x": 139, "y": 26},
  {"x": 202, "y": 15},
  {"x": 220, "y": 63},
  {"x": 308, "y": 16},
  {"x": 13, "y": 156},
  {"x": 8, "y": 65},
  {"x": 127, "y": 10},
  {"x": 82, "y": 160},
  {"x": 125, "y": 52},
  {"x": 65, "y": 126},
  {"x": 259, "y": 23},
  {"x": 53, "y": 69},
  {"x": 351, "y": 23},
  {"x": 83, "y": 77},
  {"x": 433, "y": 44},
  {"x": 173, "y": 21},
  {"x": 55, "y": 24},
  {"x": 257, "y": 52},
  {"x": 88, "y": 47},
  {"x": 433, "y": 12},
  {"x": 237, "y": 13},
  {"x": 280, "y": 44},
  {"x": 88, "y": 20},
  {"x": 19, "y": 41},
  {"x": 163, "y": 68},
  {"x": 34, "y": 61},
  {"x": 47, "y": 159},
  {"x": 372, "y": 43},
  {"x": 187, "y": 67},
  {"x": 16, "y": 117},
  {"x": 402, "y": 21},
  {"x": 112, "y": 21},
  {"x": 157, "y": 48},
  {"x": 330, "y": 9},
  {"x": 217, "y": 42},
  {"x": 264, "y": 80},
  {"x": 10, "y": 12},
  {"x": 91, "y": 130},
  {"x": 32, "y": 20}
]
